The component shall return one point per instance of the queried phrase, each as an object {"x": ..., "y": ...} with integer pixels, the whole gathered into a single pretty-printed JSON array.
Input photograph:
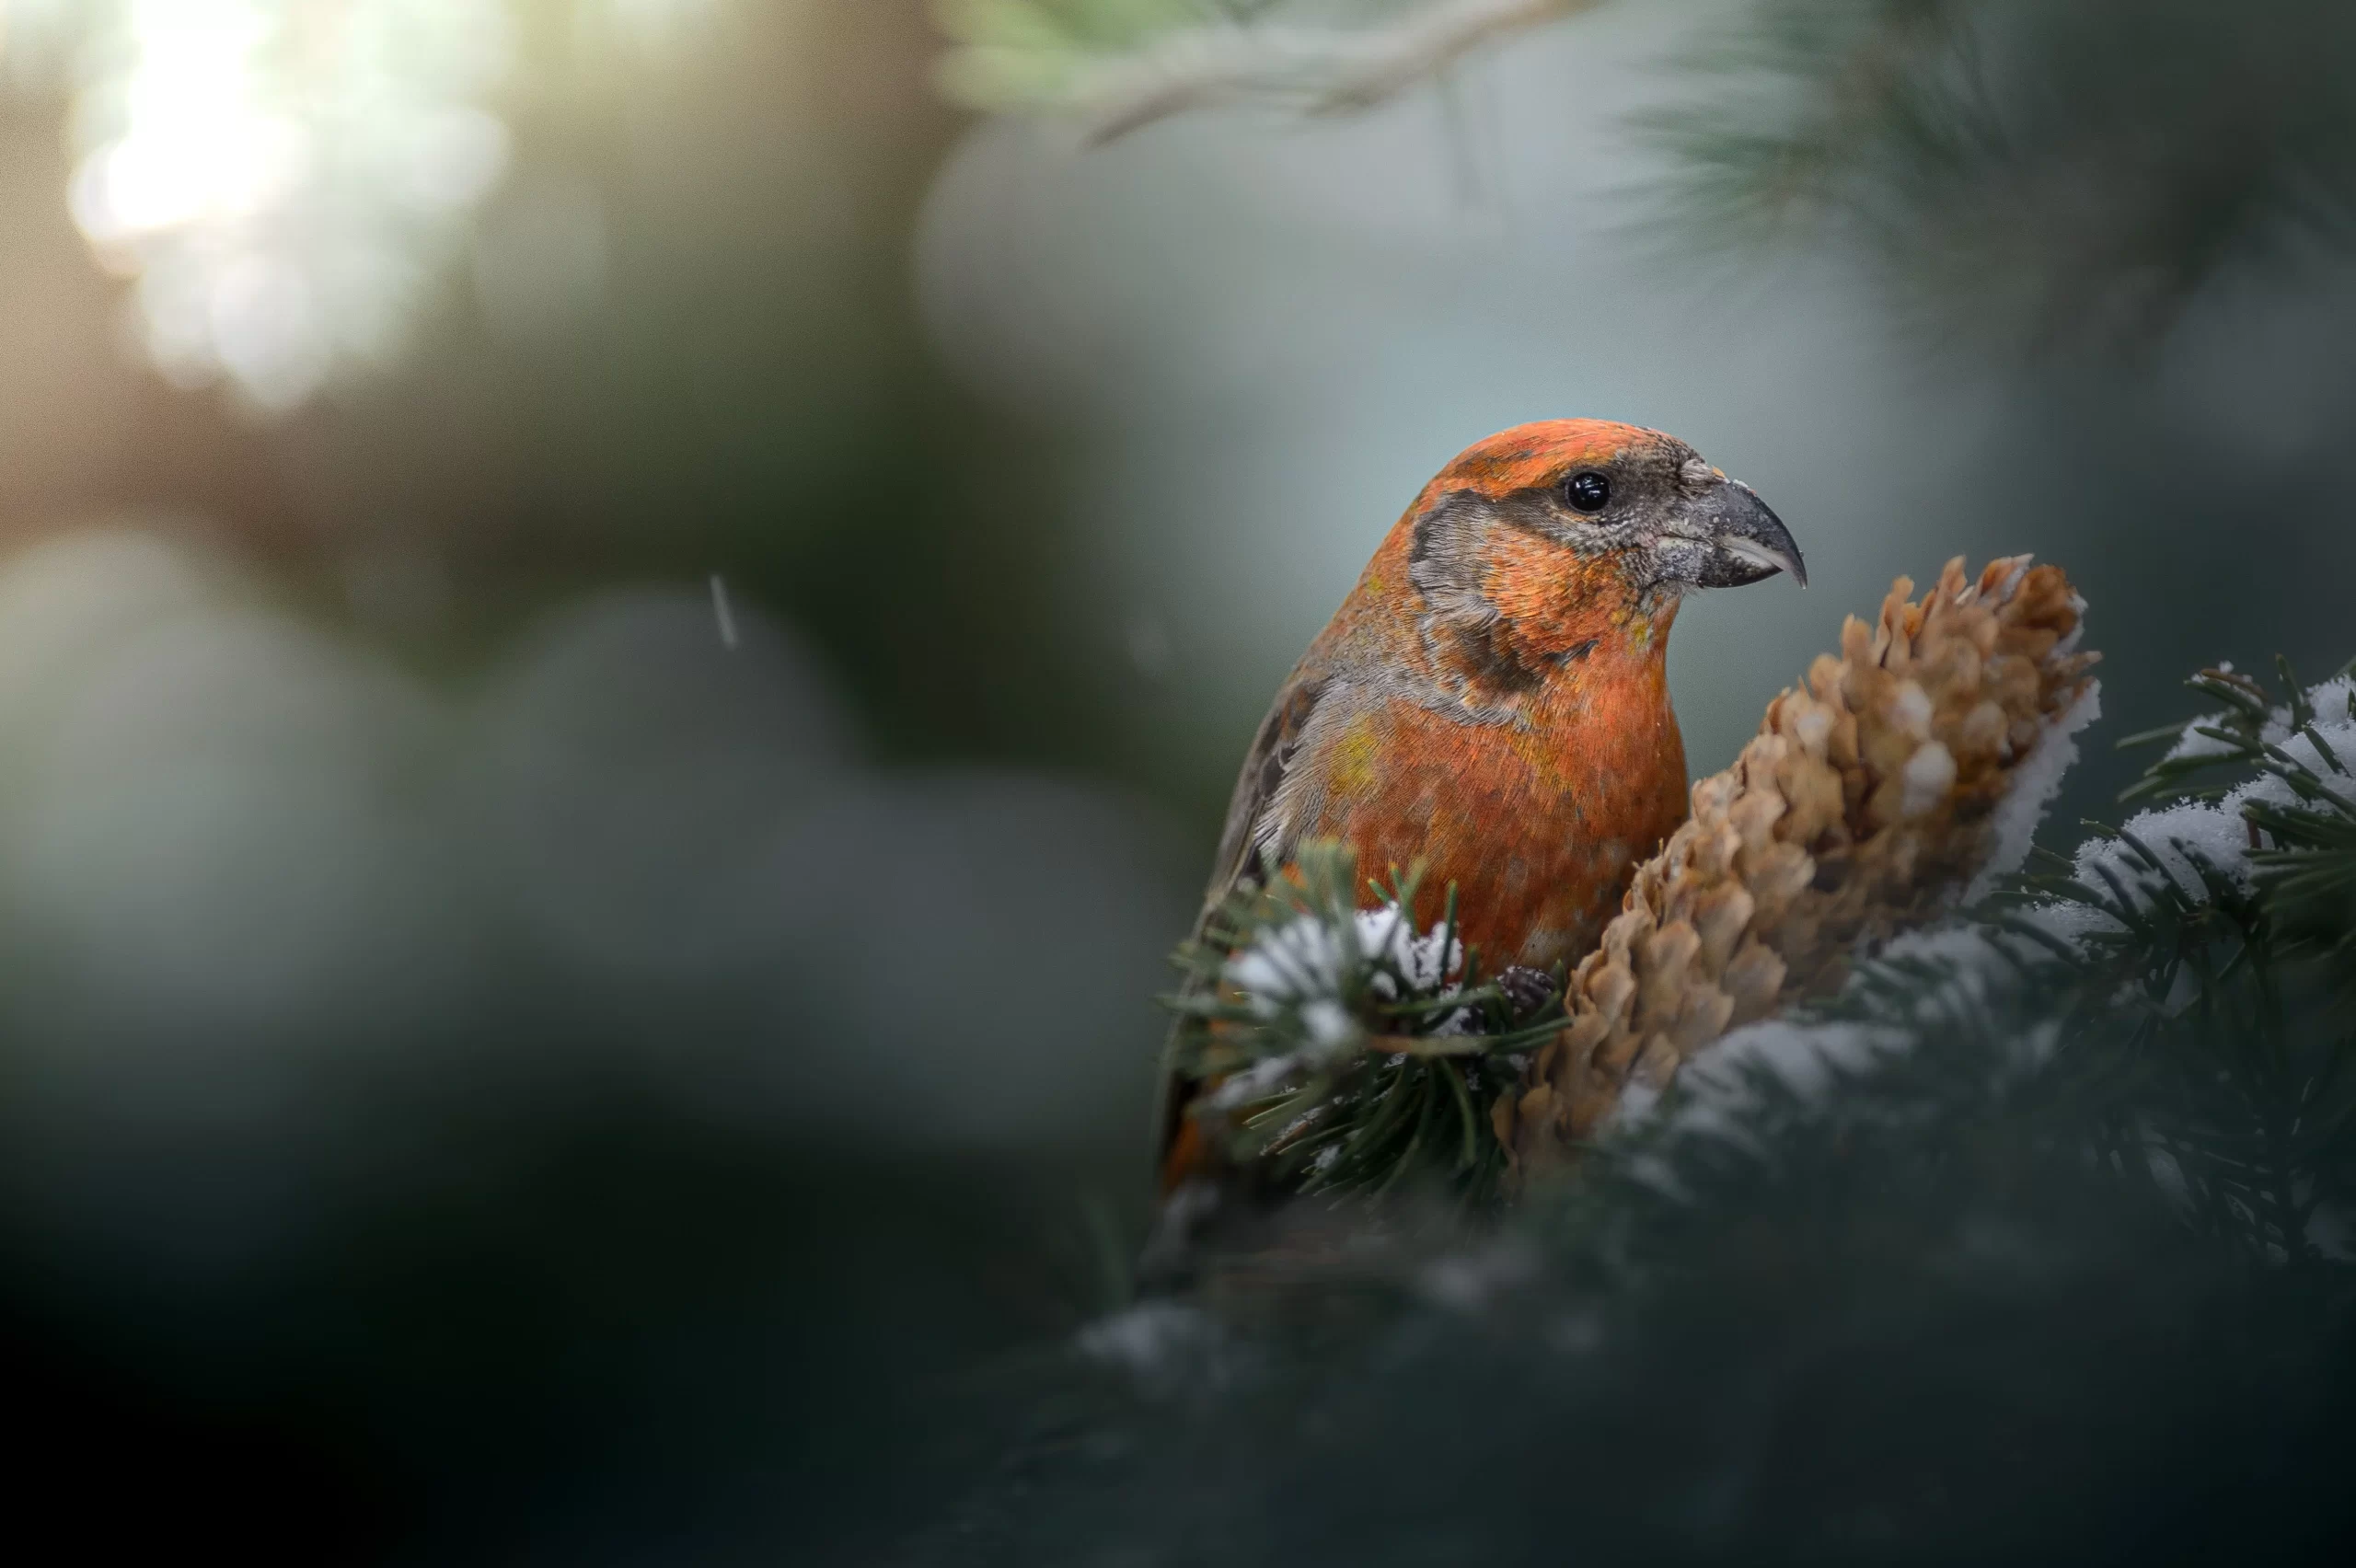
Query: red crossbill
[{"x": 1491, "y": 700}]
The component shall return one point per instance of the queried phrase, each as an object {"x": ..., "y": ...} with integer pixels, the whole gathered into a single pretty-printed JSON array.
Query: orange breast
[{"x": 1539, "y": 824}]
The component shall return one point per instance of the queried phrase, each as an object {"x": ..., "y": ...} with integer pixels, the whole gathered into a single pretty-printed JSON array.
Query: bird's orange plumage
[
  {"x": 1491, "y": 700},
  {"x": 1537, "y": 821}
]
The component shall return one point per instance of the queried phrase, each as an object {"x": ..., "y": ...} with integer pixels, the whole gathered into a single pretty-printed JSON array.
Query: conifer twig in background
[{"x": 1017, "y": 55}]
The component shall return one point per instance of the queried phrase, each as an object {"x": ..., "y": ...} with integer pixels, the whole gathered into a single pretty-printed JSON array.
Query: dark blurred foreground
[
  {"x": 604, "y": 1336},
  {"x": 1919, "y": 1324},
  {"x": 597, "y": 1336}
]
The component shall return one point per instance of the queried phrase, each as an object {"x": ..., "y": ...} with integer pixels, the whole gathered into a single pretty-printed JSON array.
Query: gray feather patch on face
[
  {"x": 1461, "y": 629},
  {"x": 1444, "y": 563}
]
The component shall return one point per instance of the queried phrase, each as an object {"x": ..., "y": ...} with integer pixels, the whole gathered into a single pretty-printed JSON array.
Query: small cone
[{"x": 1864, "y": 806}]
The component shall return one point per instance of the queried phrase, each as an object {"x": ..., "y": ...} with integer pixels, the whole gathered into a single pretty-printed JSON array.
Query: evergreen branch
[
  {"x": 1346, "y": 1049},
  {"x": 2177, "y": 1000}
]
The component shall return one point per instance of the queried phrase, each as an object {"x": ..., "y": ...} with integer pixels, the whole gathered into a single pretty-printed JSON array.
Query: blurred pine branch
[
  {"x": 2071, "y": 173},
  {"x": 2035, "y": 173}
]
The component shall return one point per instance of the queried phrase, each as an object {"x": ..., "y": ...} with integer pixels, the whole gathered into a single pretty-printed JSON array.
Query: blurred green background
[{"x": 622, "y": 637}]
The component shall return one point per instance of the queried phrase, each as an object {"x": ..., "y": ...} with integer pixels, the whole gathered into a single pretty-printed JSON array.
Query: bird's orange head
[{"x": 1551, "y": 540}]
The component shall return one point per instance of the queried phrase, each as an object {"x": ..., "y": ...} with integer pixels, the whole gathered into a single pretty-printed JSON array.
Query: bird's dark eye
[{"x": 1588, "y": 491}]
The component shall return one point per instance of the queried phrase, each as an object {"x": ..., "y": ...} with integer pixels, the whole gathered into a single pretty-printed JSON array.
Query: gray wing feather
[{"x": 1247, "y": 846}]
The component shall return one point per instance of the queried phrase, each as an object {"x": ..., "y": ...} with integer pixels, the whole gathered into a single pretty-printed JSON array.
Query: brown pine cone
[{"x": 1911, "y": 767}]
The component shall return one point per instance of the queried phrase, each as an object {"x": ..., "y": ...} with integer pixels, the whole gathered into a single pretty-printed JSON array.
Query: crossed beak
[{"x": 1748, "y": 542}]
